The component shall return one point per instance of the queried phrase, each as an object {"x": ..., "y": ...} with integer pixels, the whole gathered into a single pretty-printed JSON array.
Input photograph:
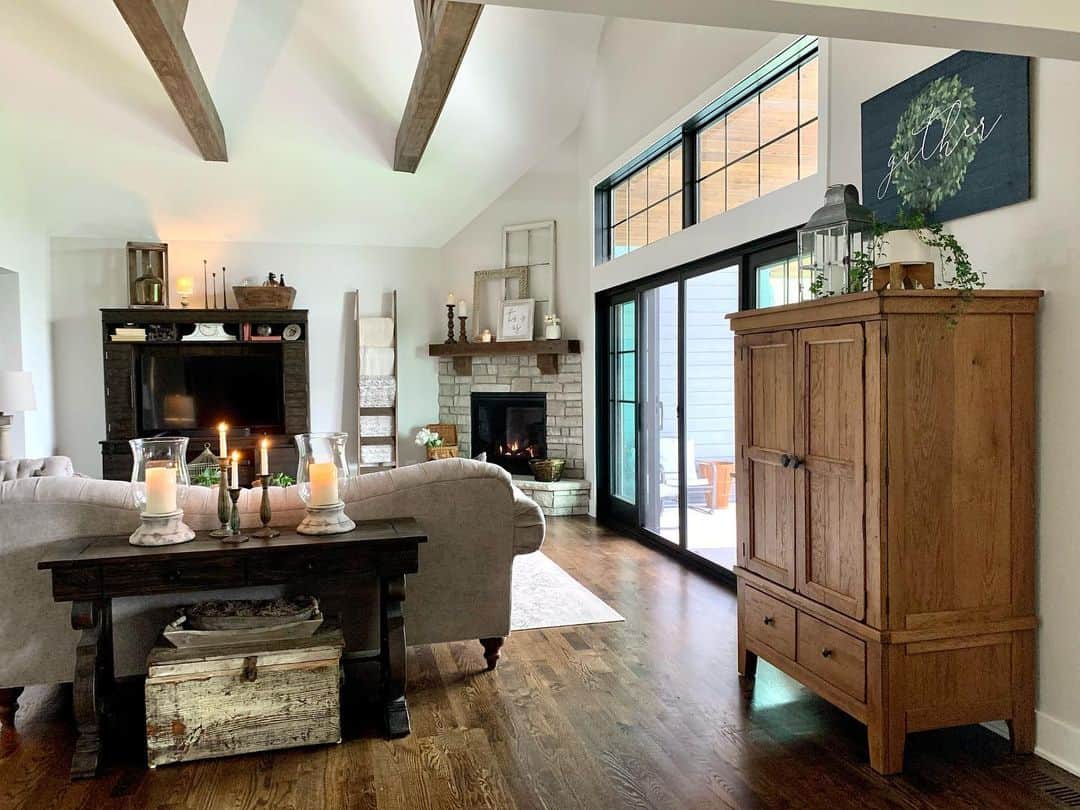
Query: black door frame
[{"x": 611, "y": 511}]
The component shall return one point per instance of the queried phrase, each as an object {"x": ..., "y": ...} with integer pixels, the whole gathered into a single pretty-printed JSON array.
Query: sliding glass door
[{"x": 668, "y": 423}]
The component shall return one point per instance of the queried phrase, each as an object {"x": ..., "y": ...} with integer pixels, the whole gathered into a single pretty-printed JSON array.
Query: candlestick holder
[
  {"x": 450, "y": 324},
  {"x": 224, "y": 505},
  {"x": 162, "y": 530},
  {"x": 234, "y": 520},
  {"x": 330, "y": 519},
  {"x": 264, "y": 513},
  {"x": 462, "y": 336}
]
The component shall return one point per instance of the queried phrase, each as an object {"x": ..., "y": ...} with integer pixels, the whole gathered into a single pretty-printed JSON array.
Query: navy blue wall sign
[{"x": 950, "y": 141}]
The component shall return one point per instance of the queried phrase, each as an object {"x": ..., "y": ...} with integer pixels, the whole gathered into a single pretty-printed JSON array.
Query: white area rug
[{"x": 544, "y": 595}]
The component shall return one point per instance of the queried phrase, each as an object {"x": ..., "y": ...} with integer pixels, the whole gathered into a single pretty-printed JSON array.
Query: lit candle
[
  {"x": 223, "y": 445},
  {"x": 264, "y": 463},
  {"x": 485, "y": 336},
  {"x": 463, "y": 308},
  {"x": 323, "y": 477},
  {"x": 450, "y": 300},
  {"x": 235, "y": 470},
  {"x": 160, "y": 490}
]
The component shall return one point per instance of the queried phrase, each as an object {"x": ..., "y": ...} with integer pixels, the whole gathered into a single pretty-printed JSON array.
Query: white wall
[
  {"x": 24, "y": 251},
  {"x": 88, "y": 274},
  {"x": 641, "y": 90}
]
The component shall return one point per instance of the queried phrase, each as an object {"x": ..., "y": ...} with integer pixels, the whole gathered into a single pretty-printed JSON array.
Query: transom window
[{"x": 758, "y": 137}]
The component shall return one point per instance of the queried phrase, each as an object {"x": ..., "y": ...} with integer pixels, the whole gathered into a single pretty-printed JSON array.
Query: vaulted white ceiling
[{"x": 310, "y": 93}]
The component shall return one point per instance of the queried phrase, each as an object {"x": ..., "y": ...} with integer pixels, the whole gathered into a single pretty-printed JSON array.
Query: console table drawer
[
  {"x": 769, "y": 621},
  {"x": 832, "y": 655},
  {"x": 139, "y": 578},
  {"x": 285, "y": 568}
]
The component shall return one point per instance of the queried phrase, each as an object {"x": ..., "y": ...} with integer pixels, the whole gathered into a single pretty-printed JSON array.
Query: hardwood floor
[{"x": 643, "y": 713}]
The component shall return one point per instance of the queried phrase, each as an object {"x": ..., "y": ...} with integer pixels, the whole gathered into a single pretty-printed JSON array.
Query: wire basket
[
  {"x": 446, "y": 451},
  {"x": 547, "y": 470},
  {"x": 205, "y": 471}
]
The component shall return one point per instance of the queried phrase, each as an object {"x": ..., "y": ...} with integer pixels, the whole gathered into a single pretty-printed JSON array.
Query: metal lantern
[{"x": 833, "y": 235}]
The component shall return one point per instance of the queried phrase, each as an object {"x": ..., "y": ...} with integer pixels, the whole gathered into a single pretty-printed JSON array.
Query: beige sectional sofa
[{"x": 476, "y": 520}]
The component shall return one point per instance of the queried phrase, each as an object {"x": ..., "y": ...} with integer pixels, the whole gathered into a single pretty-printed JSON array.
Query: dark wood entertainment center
[{"x": 123, "y": 362}]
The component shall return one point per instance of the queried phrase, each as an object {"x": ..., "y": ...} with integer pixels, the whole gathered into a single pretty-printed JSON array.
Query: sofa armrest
[{"x": 529, "y": 525}]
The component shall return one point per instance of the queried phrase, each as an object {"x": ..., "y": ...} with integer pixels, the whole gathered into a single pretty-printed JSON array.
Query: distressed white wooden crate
[{"x": 213, "y": 702}]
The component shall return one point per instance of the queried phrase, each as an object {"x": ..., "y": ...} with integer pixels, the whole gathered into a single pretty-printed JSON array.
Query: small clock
[{"x": 291, "y": 332}]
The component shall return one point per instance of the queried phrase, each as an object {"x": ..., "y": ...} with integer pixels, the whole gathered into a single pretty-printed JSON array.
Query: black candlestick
[
  {"x": 462, "y": 336},
  {"x": 450, "y": 324}
]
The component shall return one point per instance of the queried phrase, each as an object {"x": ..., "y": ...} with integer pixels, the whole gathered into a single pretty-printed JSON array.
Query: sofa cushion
[{"x": 51, "y": 466}]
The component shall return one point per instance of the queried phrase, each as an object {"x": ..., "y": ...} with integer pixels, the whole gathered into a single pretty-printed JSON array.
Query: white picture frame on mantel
[{"x": 516, "y": 320}]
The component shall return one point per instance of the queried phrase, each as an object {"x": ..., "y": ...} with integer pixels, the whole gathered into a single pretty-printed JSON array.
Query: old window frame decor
[
  {"x": 514, "y": 286},
  {"x": 516, "y": 320}
]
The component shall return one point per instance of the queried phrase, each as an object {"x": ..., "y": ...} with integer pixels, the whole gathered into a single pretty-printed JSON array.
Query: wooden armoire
[{"x": 886, "y": 506}]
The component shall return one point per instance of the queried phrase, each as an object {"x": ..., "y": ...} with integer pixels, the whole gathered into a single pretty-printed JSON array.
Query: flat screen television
[{"x": 191, "y": 389}]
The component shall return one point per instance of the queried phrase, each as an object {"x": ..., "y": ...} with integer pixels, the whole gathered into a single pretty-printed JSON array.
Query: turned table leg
[
  {"x": 491, "y": 650},
  {"x": 392, "y": 655},
  {"x": 93, "y": 677},
  {"x": 9, "y": 704}
]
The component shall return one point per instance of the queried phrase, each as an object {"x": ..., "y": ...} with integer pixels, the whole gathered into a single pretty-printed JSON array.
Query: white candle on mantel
[
  {"x": 450, "y": 300},
  {"x": 463, "y": 309},
  {"x": 264, "y": 454},
  {"x": 223, "y": 444},
  {"x": 160, "y": 490},
  {"x": 323, "y": 477},
  {"x": 235, "y": 470}
]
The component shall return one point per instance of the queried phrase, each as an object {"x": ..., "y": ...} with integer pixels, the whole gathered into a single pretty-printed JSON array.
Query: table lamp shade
[{"x": 16, "y": 392}]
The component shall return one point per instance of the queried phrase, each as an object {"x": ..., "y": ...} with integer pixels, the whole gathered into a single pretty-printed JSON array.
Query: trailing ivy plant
[{"x": 957, "y": 272}]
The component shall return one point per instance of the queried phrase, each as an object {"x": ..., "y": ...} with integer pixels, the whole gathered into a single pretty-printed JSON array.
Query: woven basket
[
  {"x": 436, "y": 453},
  {"x": 547, "y": 470},
  {"x": 264, "y": 297}
]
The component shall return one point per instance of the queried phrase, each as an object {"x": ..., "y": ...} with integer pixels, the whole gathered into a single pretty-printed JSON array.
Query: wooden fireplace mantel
[{"x": 547, "y": 352}]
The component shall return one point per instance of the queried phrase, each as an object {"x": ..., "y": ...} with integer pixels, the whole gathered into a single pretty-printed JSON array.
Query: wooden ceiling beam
[
  {"x": 446, "y": 26},
  {"x": 158, "y": 26}
]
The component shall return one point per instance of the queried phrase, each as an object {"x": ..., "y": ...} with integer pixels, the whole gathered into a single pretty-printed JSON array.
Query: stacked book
[{"x": 129, "y": 334}]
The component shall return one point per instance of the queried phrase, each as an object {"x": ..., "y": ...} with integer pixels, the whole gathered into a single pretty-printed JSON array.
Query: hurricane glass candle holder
[
  {"x": 159, "y": 481},
  {"x": 321, "y": 471}
]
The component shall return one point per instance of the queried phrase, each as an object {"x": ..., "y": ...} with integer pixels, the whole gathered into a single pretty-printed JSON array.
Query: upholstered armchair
[{"x": 50, "y": 466}]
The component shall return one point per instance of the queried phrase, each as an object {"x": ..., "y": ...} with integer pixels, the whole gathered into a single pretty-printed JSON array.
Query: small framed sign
[{"x": 516, "y": 319}]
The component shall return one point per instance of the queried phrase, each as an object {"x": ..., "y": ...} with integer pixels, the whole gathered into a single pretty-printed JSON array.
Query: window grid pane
[{"x": 766, "y": 143}]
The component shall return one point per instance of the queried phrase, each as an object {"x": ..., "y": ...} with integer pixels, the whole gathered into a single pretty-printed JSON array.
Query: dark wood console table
[{"x": 90, "y": 572}]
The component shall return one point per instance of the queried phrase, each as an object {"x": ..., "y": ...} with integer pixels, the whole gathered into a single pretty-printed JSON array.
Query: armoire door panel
[
  {"x": 764, "y": 488},
  {"x": 951, "y": 466},
  {"x": 829, "y": 474}
]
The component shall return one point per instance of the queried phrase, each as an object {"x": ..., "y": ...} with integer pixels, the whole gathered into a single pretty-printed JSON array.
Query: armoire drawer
[
  {"x": 832, "y": 655},
  {"x": 769, "y": 621}
]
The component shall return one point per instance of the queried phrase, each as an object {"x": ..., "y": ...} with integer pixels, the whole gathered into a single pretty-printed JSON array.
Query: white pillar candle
[
  {"x": 160, "y": 490},
  {"x": 450, "y": 300},
  {"x": 223, "y": 444},
  {"x": 323, "y": 477},
  {"x": 235, "y": 470},
  {"x": 463, "y": 309},
  {"x": 264, "y": 457}
]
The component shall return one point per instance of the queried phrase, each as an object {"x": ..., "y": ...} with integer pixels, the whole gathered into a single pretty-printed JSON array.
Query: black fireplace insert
[{"x": 510, "y": 428}]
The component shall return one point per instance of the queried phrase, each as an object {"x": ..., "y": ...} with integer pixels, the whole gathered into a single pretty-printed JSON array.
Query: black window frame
[{"x": 791, "y": 58}]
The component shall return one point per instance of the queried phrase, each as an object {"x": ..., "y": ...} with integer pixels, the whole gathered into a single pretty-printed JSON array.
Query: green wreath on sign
[{"x": 929, "y": 151}]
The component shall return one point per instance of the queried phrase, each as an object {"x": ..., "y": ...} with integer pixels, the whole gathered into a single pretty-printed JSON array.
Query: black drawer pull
[
  {"x": 826, "y": 653},
  {"x": 769, "y": 620},
  {"x": 174, "y": 576}
]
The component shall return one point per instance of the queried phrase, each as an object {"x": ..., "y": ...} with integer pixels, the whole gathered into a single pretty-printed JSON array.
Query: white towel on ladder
[
  {"x": 377, "y": 332},
  {"x": 376, "y": 362}
]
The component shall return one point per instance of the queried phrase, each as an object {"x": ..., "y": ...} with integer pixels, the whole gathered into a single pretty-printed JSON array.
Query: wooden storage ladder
[{"x": 363, "y": 467}]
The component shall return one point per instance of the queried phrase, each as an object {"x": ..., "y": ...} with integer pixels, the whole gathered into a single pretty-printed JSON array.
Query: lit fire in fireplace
[{"x": 515, "y": 450}]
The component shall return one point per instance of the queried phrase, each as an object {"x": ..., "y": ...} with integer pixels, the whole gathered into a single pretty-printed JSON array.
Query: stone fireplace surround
[{"x": 508, "y": 373}]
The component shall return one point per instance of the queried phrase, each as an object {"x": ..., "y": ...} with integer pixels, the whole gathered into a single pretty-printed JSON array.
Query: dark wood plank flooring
[{"x": 645, "y": 713}]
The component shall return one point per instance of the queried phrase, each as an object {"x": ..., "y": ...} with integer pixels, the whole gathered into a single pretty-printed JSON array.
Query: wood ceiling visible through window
[{"x": 758, "y": 137}]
